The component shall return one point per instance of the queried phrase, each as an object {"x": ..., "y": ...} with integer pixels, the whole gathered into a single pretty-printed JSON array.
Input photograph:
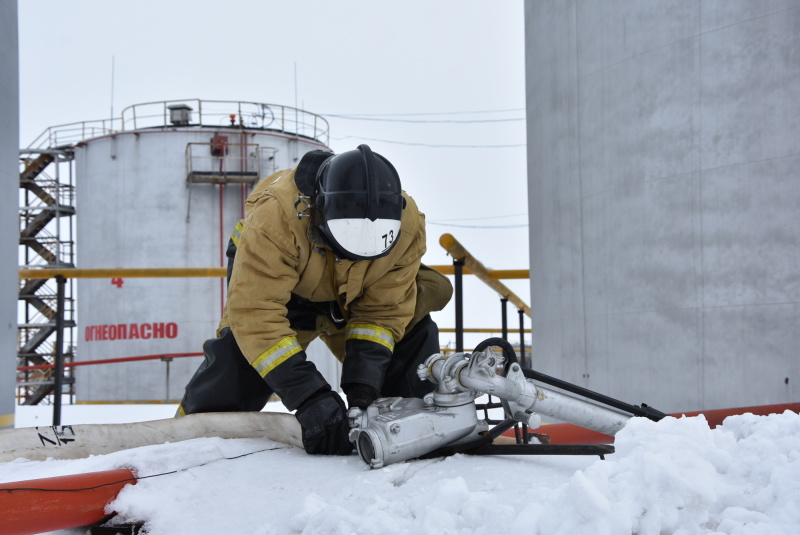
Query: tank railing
[
  {"x": 214, "y": 113},
  {"x": 72, "y": 133},
  {"x": 222, "y": 113},
  {"x": 463, "y": 259}
]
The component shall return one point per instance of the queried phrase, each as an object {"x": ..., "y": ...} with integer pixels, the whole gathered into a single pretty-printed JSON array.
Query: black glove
[
  {"x": 325, "y": 426},
  {"x": 359, "y": 395}
]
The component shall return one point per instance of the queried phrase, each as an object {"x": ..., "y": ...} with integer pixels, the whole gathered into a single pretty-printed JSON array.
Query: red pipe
[
  {"x": 222, "y": 282},
  {"x": 111, "y": 361},
  {"x": 41, "y": 505},
  {"x": 573, "y": 434}
]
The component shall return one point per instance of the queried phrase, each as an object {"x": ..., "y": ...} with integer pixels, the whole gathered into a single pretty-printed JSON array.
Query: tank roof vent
[{"x": 180, "y": 114}]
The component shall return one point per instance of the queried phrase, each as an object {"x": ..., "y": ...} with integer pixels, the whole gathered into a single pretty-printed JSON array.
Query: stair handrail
[{"x": 458, "y": 252}]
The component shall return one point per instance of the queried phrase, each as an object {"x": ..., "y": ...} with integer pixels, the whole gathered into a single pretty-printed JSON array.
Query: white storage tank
[{"x": 165, "y": 189}]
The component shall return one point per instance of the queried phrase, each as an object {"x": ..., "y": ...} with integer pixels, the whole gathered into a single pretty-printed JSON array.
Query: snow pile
[{"x": 676, "y": 476}]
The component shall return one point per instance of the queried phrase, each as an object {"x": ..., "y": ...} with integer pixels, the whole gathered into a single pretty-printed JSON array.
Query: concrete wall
[
  {"x": 9, "y": 213},
  {"x": 664, "y": 194}
]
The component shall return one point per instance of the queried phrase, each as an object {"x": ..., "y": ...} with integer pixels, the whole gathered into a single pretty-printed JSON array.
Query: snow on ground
[{"x": 676, "y": 476}]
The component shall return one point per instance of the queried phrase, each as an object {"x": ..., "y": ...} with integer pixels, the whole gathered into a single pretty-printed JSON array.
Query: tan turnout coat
[{"x": 280, "y": 254}]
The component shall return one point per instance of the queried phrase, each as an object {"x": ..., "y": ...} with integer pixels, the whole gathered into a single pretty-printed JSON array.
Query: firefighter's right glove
[{"x": 325, "y": 426}]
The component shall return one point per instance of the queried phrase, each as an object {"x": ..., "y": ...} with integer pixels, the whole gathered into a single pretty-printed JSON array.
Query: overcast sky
[{"x": 442, "y": 84}]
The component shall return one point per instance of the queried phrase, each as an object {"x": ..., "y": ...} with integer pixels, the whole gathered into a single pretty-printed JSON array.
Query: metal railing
[
  {"x": 47, "y": 199},
  {"x": 461, "y": 259},
  {"x": 47, "y": 371},
  {"x": 228, "y": 162},
  {"x": 219, "y": 113},
  {"x": 69, "y": 134},
  {"x": 195, "y": 112}
]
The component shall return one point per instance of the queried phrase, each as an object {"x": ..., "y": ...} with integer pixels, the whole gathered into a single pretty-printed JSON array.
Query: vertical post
[
  {"x": 59, "y": 367},
  {"x": 458, "y": 271},
  {"x": 524, "y": 361},
  {"x": 167, "y": 360},
  {"x": 504, "y": 313}
]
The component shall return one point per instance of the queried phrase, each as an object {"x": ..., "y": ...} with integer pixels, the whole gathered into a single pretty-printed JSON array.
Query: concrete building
[
  {"x": 663, "y": 157},
  {"x": 9, "y": 231}
]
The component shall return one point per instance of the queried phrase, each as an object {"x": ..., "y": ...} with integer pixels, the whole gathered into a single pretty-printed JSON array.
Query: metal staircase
[{"x": 47, "y": 198}]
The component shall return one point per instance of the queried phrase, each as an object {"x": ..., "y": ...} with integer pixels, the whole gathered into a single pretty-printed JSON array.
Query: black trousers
[{"x": 226, "y": 382}]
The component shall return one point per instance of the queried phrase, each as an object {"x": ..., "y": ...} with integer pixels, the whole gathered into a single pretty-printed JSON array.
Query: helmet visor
[{"x": 362, "y": 238}]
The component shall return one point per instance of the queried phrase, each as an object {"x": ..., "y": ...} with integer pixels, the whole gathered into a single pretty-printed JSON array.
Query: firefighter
[{"x": 331, "y": 248}]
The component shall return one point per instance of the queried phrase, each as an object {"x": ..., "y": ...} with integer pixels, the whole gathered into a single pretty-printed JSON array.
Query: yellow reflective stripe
[
  {"x": 237, "y": 233},
  {"x": 277, "y": 354},
  {"x": 371, "y": 332},
  {"x": 180, "y": 411}
]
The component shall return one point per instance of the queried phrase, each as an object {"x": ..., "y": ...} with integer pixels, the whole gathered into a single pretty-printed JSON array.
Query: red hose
[{"x": 65, "y": 502}]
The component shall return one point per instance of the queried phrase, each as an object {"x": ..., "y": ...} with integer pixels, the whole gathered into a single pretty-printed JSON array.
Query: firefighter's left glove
[{"x": 323, "y": 419}]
